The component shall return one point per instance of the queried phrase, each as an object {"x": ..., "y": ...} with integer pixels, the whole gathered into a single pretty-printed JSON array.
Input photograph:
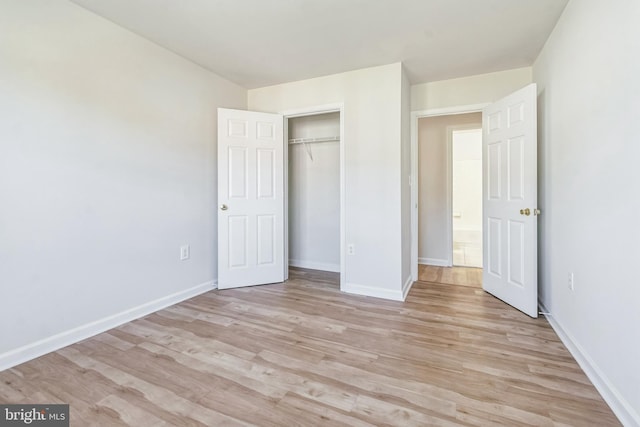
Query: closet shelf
[{"x": 313, "y": 140}]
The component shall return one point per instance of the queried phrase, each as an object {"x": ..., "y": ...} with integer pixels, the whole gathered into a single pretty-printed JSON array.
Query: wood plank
[{"x": 303, "y": 353}]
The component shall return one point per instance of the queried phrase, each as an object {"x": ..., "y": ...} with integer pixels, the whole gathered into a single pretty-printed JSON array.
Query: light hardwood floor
[{"x": 304, "y": 354}]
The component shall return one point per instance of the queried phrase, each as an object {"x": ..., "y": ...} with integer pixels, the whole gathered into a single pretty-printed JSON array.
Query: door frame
[
  {"x": 450, "y": 130},
  {"x": 415, "y": 116},
  {"x": 312, "y": 111}
]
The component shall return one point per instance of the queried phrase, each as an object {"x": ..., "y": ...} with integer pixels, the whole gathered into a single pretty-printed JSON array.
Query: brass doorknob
[
  {"x": 223, "y": 207},
  {"x": 536, "y": 212},
  {"x": 526, "y": 212}
]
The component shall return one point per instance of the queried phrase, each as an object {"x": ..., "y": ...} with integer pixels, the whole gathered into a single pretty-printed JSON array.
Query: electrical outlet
[
  {"x": 571, "y": 281},
  {"x": 351, "y": 249},
  {"x": 184, "y": 252}
]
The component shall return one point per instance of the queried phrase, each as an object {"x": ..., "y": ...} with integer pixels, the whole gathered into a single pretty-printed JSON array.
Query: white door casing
[
  {"x": 250, "y": 198},
  {"x": 509, "y": 145}
]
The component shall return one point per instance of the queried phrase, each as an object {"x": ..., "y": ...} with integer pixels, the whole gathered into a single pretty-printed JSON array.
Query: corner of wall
[{"x": 585, "y": 79}]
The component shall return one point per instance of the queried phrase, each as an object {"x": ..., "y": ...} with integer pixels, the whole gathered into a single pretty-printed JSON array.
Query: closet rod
[{"x": 313, "y": 140}]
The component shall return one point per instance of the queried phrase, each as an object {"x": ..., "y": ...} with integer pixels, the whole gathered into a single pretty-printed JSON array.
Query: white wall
[
  {"x": 372, "y": 138},
  {"x": 466, "y": 180},
  {"x": 405, "y": 182},
  {"x": 107, "y": 166},
  {"x": 478, "y": 89},
  {"x": 466, "y": 197},
  {"x": 589, "y": 104},
  {"x": 314, "y": 194},
  {"x": 433, "y": 228}
]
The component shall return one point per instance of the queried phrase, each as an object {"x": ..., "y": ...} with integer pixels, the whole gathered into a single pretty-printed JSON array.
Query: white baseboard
[
  {"x": 627, "y": 415},
  {"x": 72, "y": 336},
  {"x": 406, "y": 287},
  {"x": 370, "y": 291},
  {"x": 434, "y": 261},
  {"x": 314, "y": 265}
]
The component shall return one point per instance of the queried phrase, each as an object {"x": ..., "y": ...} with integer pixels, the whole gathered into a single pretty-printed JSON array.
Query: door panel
[
  {"x": 516, "y": 169},
  {"x": 510, "y": 187},
  {"x": 494, "y": 250},
  {"x": 237, "y": 173},
  {"x": 266, "y": 239},
  {"x": 516, "y": 253},
  {"x": 266, "y": 173},
  {"x": 238, "y": 231},
  {"x": 250, "y": 198},
  {"x": 494, "y": 180}
]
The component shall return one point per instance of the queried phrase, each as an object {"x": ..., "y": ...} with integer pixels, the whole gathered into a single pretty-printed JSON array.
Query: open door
[
  {"x": 510, "y": 197},
  {"x": 250, "y": 198}
]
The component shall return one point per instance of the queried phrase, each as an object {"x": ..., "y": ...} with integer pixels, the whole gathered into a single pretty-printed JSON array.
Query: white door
[
  {"x": 250, "y": 198},
  {"x": 510, "y": 229}
]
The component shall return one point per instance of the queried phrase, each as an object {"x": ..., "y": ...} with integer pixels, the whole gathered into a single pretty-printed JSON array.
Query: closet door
[{"x": 250, "y": 198}]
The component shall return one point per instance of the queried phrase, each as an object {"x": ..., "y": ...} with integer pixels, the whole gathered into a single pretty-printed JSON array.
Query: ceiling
[{"x": 257, "y": 43}]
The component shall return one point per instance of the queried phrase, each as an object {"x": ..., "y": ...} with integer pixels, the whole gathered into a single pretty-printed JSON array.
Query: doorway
[
  {"x": 314, "y": 188},
  {"x": 253, "y": 193},
  {"x": 509, "y": 211},
  {"x": 436, "y": 217}
]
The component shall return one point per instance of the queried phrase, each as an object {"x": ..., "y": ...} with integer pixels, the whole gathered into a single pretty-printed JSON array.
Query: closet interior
[{"x": 314, "y": 191}]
